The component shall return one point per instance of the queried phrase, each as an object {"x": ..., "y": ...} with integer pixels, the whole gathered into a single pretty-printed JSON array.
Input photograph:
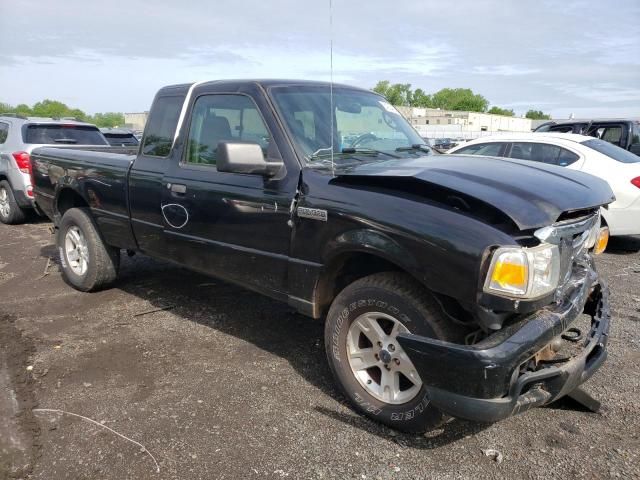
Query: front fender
[{"x": 372, "y": 242}]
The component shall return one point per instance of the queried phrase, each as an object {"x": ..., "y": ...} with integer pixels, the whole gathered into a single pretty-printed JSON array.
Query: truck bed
[{"x": 100, "y": 176}]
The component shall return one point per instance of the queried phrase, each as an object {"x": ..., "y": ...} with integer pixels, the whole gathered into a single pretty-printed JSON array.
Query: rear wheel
[
  {"x": 10, "y": 212},
  {"x": 88, "y": 264},
  {"x": 371, "y": 367}
]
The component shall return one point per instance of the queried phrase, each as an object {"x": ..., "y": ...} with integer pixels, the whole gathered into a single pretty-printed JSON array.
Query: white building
[
  {"x": 436, "y": 123},
  {"x": 136, "y": 121}
]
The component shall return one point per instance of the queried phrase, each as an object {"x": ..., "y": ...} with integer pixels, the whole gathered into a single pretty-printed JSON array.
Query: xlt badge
[{"x": 312, "y": 213}]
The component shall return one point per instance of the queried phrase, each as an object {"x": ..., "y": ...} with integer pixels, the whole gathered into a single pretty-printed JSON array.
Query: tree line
[
  {"x": 56, "y": 109},
  {"x": 401, "y": 94}
]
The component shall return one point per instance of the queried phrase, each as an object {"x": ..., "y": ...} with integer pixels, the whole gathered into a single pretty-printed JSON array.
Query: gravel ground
[{"x": 217, "y": 382}]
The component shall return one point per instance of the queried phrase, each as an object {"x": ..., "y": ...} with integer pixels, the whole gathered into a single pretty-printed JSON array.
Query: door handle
[{"x": 177, "y": 188}]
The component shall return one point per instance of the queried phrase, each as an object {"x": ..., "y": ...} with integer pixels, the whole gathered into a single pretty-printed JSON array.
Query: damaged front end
[{"x": 534, "y": 358}]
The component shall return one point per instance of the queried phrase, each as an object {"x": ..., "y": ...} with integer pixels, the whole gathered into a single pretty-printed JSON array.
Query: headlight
[{"x": 524, "y": 272}]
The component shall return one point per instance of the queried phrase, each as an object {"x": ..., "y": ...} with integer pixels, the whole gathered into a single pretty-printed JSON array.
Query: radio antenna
[{"x": 331, "y": 78}]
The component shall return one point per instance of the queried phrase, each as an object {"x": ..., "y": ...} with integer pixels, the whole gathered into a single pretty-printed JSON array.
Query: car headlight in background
[
  {"x": 524, "y": 272},
  {"x": 598, "y": 238}
]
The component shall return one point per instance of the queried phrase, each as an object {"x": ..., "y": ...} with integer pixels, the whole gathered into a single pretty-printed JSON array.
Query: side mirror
[
  {"x": 635, "y": 148},
  {"x": 236, "y": 157}
]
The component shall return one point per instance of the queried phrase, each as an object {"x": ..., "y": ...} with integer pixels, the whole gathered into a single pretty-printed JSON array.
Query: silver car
[{"x": 18, "y": 137}]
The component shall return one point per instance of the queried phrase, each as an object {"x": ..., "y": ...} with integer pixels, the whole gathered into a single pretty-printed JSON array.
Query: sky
[{"x": 562, "y": 57}]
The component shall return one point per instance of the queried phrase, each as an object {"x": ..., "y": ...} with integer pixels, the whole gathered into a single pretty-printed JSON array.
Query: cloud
[
  {"x": 564, "y": 56},
  {"x": 503, "y": 70}
]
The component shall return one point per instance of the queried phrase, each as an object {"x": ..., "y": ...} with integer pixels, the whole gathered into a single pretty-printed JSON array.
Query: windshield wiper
[
  {"x": 352, "y": 150},
  {"x": 347, "y": 151},
  {"x": 422, "y": 147},
  {"x": 65, "y": 140}
]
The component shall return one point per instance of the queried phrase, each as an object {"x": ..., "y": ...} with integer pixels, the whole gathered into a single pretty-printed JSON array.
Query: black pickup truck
[
  {"x": 445, "y": 282},
  {"x": 623, "y": 133}
]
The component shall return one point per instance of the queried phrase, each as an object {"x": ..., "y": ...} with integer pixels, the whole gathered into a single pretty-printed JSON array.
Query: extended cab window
[
  {"x": 163, "y": 120},
  {"x": 223, "y": 118},
  {"x": 4, "y": 131},
  {"x": 542, "y": 152},
  {"x": 489, "y": 149}
]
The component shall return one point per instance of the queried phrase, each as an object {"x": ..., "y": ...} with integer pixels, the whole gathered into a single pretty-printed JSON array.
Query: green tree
[
  {"x": 50, "y": 108},
  {"x": 501, "y": 111},
  {"x": 421, "y": 99},
  {"x": 537, "y": 115},
  {"x": 396, "y": 94},
  {"x": 108, "y": 119},
  {"x": 460, "y": 99},
  {"x": 57, "y": 109},
  {"x": 23, "y": 109}
]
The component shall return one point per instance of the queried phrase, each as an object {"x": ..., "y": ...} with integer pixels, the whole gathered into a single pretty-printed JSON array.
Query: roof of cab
[{"x": 264, "y": 83}]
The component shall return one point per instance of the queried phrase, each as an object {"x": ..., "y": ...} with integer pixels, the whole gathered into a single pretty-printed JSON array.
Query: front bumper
[{"x": 488, "y": 381}]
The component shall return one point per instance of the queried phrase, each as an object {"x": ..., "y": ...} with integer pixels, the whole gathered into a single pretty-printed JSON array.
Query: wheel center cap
[{"x": 385, "y": 356}]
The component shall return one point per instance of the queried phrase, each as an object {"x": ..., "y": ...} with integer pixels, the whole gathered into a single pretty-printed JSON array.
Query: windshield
[
  {"x": 612, "y": 151},
  {"x": 364, "y": 124},
  {"x": 64, "y": 134}
]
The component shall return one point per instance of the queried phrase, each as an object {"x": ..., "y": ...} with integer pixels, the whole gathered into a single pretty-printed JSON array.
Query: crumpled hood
[{"x": 532, "y": 194}]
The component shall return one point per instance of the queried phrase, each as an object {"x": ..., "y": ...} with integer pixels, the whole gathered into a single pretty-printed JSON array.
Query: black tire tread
[
  {"x": 402, "y": 284},
  {"x": 426, "y": 304},
  {"x": 104, "y": 259},
  {"x": 17, "y": 214}
]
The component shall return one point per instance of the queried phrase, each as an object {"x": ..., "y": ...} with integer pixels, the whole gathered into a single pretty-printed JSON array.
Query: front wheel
[
  {"x": 88, "y": 264},
  {"x": 369, "y": 364}
]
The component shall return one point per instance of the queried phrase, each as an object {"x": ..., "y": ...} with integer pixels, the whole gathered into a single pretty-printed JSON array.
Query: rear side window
[
  {"x": 562, "y": 129},
  {"x": 4, "y": 131},
  {"x": 635, "y": 135},
  {"x": 612, "y": 151},
  {"x": 121, "y": 139},
  {"x": 489, "y": 149},
  {"x": 163, "y": 121},
  {"x": 543, "y": 153},
  {"x": 63, "y": 134},
  {"x": 223, "y": 118}
]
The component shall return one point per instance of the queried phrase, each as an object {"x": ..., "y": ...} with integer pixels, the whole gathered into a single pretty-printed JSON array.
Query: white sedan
[{"x": 620, "y": 168}]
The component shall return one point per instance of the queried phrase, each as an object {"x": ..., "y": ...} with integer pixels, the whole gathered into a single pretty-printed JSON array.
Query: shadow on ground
[
  {"x": 271, "y": 326},
  {"x": 624, "y": 245}
]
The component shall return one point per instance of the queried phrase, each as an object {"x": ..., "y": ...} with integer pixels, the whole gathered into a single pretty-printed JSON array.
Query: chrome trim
[{"x": 556, "y": 232}]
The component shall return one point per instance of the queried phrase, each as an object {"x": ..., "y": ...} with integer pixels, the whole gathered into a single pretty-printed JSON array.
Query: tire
[
  {"x": 10, "y": 212},
  {"x": 92, "y": 265},
  {"x": 385, "y": 298}
]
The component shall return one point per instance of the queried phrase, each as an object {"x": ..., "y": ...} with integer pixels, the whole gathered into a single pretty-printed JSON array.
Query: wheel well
[
  {"x": 67, "y": 199},
  {"x": 344, "y": 270}
]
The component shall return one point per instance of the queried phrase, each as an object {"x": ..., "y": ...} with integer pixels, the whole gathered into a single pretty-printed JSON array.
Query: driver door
[{"x": 230, "y": 225}]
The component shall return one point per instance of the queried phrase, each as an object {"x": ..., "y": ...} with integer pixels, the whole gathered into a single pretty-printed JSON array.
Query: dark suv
[{"x": 624, "y": 133}]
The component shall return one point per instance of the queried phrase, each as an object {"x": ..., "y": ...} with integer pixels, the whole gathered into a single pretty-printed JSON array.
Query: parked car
[
  {"x": 445, "y": 281},
  {"x": 443, "y": 144},
  {"x": 623, "y": 133},
  {"x": 120, "y": 137},
  {"x": 620, "y": 168},
  {"x": 18, "y": 137}
]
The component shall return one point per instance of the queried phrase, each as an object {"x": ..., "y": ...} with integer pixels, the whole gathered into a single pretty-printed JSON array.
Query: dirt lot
[{"x": 226, "y": 384}]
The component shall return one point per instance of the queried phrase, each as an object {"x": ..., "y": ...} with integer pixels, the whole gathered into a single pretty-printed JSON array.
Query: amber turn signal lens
[
  {"x": 509, "y": 274},
  {"x": 601, "y": 241}
]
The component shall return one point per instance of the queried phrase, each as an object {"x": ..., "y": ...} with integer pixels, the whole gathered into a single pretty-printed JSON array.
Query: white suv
[{"x": 18, "y": 137}]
